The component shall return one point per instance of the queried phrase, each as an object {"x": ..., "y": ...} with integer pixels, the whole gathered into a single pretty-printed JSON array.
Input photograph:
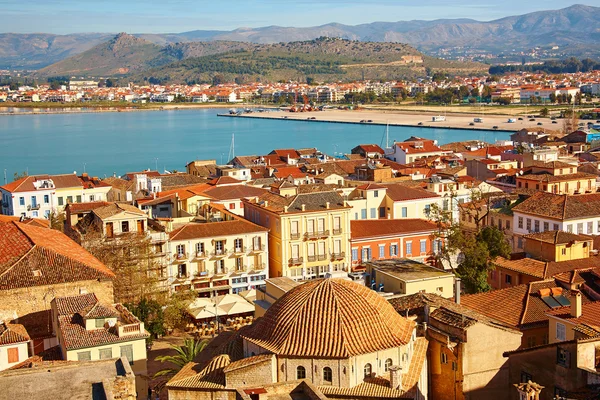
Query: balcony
[
  {"x": 338, "y": 256},
  {"x": 180, "y": 257},
  {"x": 239, "y": 251},
  {"x": 33, "y": 207},
  {"x": 322, "y": 257},
  {"x": 294, "y": 236},
  {"x": 257, "y": 248},
  {"x": 296, "y": 261},
  {"x": 316, "y": 235},
  {"x": 311, "y": 258},
  {"x": 130, "y": 329},
  {"x": 158, "y": 237},
  {"x": 201, "y": 274},
  {"x": 183, "y": 276},
  {"x": 200, "y": 255},
  {"x": 219, "y": 253},
  {"x": 337, "y": 231}
]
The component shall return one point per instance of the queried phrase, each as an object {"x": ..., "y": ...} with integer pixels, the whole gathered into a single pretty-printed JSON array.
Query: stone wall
[
  {"x": 33, "y": 299},
  {"x": 261, "y": 373},
  {"x": 189, "y": 394}
]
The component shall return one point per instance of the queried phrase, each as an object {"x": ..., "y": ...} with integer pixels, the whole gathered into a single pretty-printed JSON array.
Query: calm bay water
[{"x": 116, "y": 142}]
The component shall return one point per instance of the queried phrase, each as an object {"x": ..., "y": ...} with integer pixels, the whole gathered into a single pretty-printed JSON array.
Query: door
[
  {"x": 109, "y": 229},
  {"x": 140, "y": 226}
]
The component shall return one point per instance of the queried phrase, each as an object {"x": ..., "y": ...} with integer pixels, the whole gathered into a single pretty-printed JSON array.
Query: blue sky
[{"x": 155, "y": 16}]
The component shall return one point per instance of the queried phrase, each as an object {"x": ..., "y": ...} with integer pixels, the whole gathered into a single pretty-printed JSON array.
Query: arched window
[
  {"x": 388, "y": 364},
  {"x": 368, "y": 369},
  {"x": 327, "y": 375},
  {"x": 300, "y": 373}
]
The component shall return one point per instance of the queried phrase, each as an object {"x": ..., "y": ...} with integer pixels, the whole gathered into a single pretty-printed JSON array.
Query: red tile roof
[
  {"x": 215, "y": 229},
  {"x": 304, "y": 321},
  {"x": 12, "y": 334},
  {"x": 33, "y": 256},
  {"x": 399, "y": 192},
  {"x": 560, "y": 207},
  {"x": 375, "y": 228}
]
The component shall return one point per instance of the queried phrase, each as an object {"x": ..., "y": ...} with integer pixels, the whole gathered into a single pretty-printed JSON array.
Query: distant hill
[
  {"x": 322, "y": 59},
  {"x": 576, "y": 28},
  {"x": 122, "y": 54}
]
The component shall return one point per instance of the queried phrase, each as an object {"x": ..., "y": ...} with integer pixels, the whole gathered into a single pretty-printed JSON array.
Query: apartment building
[
  {"x": 309, "y": 233},
  {"x": 219, "y": 254},
  {"x": 557, "y": 177}
]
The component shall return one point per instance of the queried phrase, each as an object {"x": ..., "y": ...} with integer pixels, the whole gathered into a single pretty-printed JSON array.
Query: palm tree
[{"x": 186, "y": 353}]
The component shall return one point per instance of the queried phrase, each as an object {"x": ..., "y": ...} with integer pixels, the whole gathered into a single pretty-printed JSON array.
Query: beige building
[
  {"x": 558, "y": 246},
  {"x": 557, "y": 177},
  {"x": 309, "y": 233},
  {"x": 339, "y": 337},
  {"x": 218, "y": 254},
  {"x": 88, "y": 330},
  {"x": 14, "y": 345},
  {"x": 405, "y": 276},
  {"x": 273, "y": 290}
]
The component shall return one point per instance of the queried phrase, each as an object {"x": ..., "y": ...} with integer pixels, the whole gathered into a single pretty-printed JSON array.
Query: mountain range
[{"x": 576, "y": 27}]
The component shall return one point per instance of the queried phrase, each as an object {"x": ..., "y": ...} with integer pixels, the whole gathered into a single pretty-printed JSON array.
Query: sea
[{"x": 114, "y": 143}]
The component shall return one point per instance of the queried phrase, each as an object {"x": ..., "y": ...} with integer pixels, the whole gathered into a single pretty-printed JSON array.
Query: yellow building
[
  {"x": 88, "y": 330},
  {"x": 405, "y": 276},
  {"x": 557, "y": 177},
  {"x": 309, "y": 233},
  {"x": 557, "y": 246}
]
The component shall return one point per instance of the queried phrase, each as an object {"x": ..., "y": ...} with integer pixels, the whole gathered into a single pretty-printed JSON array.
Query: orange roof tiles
[
  {"x": 362, "y": 229},
  {"x": 303, "y": 321}
]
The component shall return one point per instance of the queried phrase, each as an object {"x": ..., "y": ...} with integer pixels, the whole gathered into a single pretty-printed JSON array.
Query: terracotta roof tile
[
  {"x": 302, "y": 322},
  {"x": 12, "y": 333},
  {"x": 560, "y": 207},
  {"x": 558, "y": 237},
  {"x": 215, "y": 229},
  {"x": 398, "y": 192}
]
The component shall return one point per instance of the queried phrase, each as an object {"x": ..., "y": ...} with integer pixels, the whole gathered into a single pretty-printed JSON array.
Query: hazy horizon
[{"x": 175, "y": 16}]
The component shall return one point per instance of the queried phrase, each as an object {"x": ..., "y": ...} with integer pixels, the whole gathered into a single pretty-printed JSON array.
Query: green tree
[
  {"x": 18, "y": 176},
  {"x": 150, "y": 312},
  {"x": 185, "y": 354},
  {"x": 544, "y": 112}
]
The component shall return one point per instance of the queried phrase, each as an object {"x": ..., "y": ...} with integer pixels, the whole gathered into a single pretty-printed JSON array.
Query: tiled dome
[{"x": 330, "y": 318}]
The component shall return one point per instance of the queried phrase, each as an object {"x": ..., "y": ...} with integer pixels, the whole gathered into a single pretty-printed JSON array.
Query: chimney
[
  {"x": 389, "y": 216},
  {"x": 266, "y": 203},
  {"x": 457, "y": 290},
  {"x": 303, "y": 207},
  {"x": 285, "y": 209},
  {"x": 84, "y": 175},
  {"x": 327, "y": 205},
  {"x": 576, "y": 305},
  {"x": 395, "y": 377}
]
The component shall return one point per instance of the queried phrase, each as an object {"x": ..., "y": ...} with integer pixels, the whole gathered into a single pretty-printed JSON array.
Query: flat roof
[
  {"x": 284, "y": 283},
  {"x": 408, "y": 270},
  {"x": 77, "y": 380}
]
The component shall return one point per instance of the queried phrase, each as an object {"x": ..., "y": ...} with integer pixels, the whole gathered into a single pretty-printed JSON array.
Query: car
[
  {"x": 495, "y": 127},
  {"x": 532, "y": 119},
  {"x": 540, "y": 124},
  {"x": 555, "y": 122},
  {"x": 369, "y": 120},
  {"x": 420, "y": 123},
  {"x": 362, "y": 121},
  {"x": 471, "y": 123},
  {"x": 530, "y": 116},
  {"x": 313, "y": 117},
  {"x": 520, "y": 118},
  {"x": 553, "y": 118},
  {"x": 284, "y": 117}
]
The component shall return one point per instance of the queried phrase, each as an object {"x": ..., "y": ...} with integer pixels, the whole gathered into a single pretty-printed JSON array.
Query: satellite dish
[{"x": 111, "y": 323}]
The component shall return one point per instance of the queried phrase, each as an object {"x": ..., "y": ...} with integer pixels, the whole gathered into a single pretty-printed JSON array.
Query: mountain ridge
[{"x": 577, "y": 26}]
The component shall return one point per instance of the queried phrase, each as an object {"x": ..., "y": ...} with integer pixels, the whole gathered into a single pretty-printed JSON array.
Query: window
[
  {"x": 508, "y": 224},
  {"x": 239, "y": 245},
  {"x": 393, "y": 250},
  {"x": 92, "y": 197},
  {"x": 78, "y": 198},
  {"x": 408, "y": 248},
  {"x": 444, "y": 358},
  {"x": 546, "y": 226},
  {"x": 508, "y": 279},
  {"x": 232, "y": 206},
  {"x": 570, "y": 228},
  {"x": 368, "y": 370},
  {"x": 300, "y": 372},
  {"x": 21, "y": 201},
  {"x": 180, "y": 249},
  {"x": 239, "y": 265},
  {"x": 46, "y": 199},
  {"x": 536, "y": 225},
  {"x": 561, "y": 332},
  {"x": 525, "y": 377},
  {"x": 105, "y": 354},
  {"x": 373, "y": 213},
  {"x": 428, "y": 210},
  {"x": 590, "y": 227},
  {"x": 127, "y": 351},
  {"x": 520, "y": 242},
  {"x": 99, "y": 322},
  {"x": 423, "y": 244},
  {"x": 199, "y": 248},
  {"x": 531, "y": 341},
  {"x": 520, "y": 222},
  {"x": 125, "y": 226},
  {"x": 13, "y": 355},
  {"x": 563, "y": 357},
  {"x": 404, "y": 212},
  {"x": 60, "y": 201},
  {"x": 366, "y": 254},
  {"x": 69, "y": 199},
  {"x": 219, "y": 247},
  {"x": 529, "y": 224},
  {"x": 580, "y": 228},
  {"x": 376, "y": 193},
  {"x": 354, "y": 254},
  {"x": 381, "y": 212},
  {"x": 555, "y": 227},
  {"x": 84, "y": 356},
  {"x": 327, "y": 375},
  {"x": 388, "y": 364},
  {"x": 381, "y": 251},
  {"x": 363, "y": 213}
]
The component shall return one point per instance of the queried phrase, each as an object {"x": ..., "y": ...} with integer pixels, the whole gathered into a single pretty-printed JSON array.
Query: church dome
[{"x": 330, "y": 318}]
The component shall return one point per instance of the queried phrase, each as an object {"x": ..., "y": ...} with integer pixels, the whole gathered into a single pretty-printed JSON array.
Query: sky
[{"x": 174, "y": 16}]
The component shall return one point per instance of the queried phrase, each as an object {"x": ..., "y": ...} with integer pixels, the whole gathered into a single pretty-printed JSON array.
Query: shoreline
[
  {"x": 103, "y": 109},
  {"x": 452, "y": 121}
]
